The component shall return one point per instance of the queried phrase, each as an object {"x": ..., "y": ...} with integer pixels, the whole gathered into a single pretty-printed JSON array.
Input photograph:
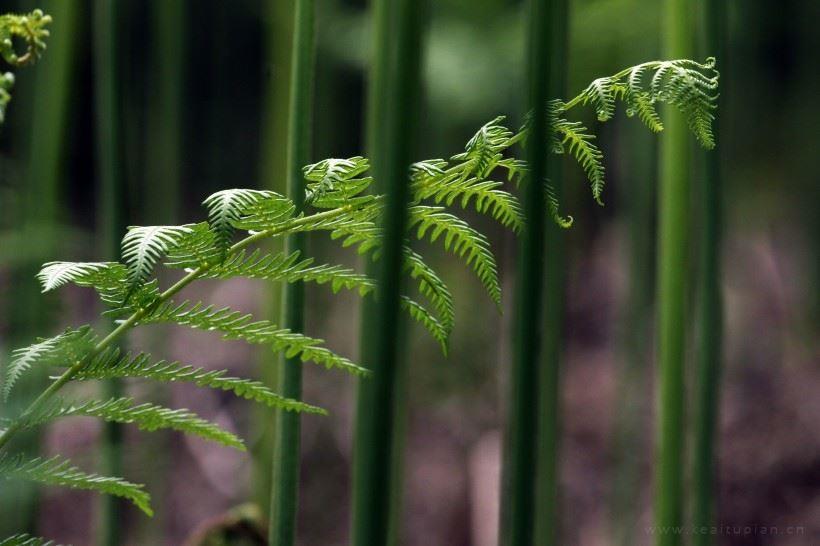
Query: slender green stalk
[
  {"x": 710, "y": 323},
  {"x": 673, "y": 218},
  {"x": 638, "y": 198},
  {"x": 285, "y": 483},
  {"x": 111, "y": 225},
  {"x": 50, "y": 112},
  {"x": 518, "y": 491},
  {"x": 547, "y": 501},
  {"x": 395, "y": 78},
  {"x": 272, "y": 163}
]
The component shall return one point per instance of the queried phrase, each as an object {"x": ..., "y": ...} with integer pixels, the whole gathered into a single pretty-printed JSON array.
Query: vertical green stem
[
  {"x": 111, "y": 217},
  {"x": 285, "y": 472},
  {"x": 518, "y": 490},
  {"x": 710, "y": 323},
  {"x": 50, "y": 114},
  {"x": 673, "y": 218},
  {"x": 272, "y": 163},
  {"x": 547, "y": 524},
  {"x": 393, "y": 90}
]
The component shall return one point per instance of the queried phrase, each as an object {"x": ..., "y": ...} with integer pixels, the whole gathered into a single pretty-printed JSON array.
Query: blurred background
[{"x": 200, "y": 103}]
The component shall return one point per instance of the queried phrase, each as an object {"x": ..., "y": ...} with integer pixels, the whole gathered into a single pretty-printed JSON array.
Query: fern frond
[
  {"x": 56, "y": 274},
  {"x": 421, "y": 315},
  {"x": 460, "y": 239},
  {"x": 485, "y": 194},
  {"x": 113, "y": 365},
  {"x": 30, "y": 29},
  {"x": 483, "y": 151},
  {"x": 66, "y": 348},
  {"x": 266, "y": 214},
  {"x": 600, "y": 95},
  {"x": 226, "y": 208},
  {"x": 27, "y": 540},
  {"x": 432, "y": 287},
  {"x": 576, "y": 141},
  {"x": 195, "y": 248},
  {"x": 59, "y": 471},
  {"x": 144, "y": 246},
  {"x": 333, "y": 183},
  {"x": 235, "y": 325},
  {"x": 289, "y": 268},
  {"x": 148, "y": 417}
]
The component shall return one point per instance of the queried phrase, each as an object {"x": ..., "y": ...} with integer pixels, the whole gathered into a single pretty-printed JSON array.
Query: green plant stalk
[
  {"x": 710, "y": 312},
  {"x": 111, "y": 225},
  {"x": 673, "y": 219},
  {"x": 53, "y": 78},
  {"x": 638, "y": 197},
  {"x": 127, "y": 324},
  {"x": 518, "y": 491},
  {"x": 547, "y": 500},
  {"x": 395, "y": 78},
  {"x": 286, "y": 452},
  {"x": 272, "y": 163}
]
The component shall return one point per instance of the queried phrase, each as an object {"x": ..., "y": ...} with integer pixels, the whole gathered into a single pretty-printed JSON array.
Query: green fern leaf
[
  {"x": 60, "y": 472},
  {"x": 576, "y": 141},
  {"x": 113, "y": 365},
  {"x": 235, "y": 325},
  {"x": 148, "y": 417},
  {"x": 144, "y": 246},
  {"x": 227, "y": 207},
  {"x": 27, "y": 540},
  {"x": 63, "y": 349},
  {"x": 600, "y": 95},
  {"x": 334, "y": 183},
  {"x": 460, "y": 239},
  {"x": 483, "y": 150},
  {"x": 56, "y": 274}
]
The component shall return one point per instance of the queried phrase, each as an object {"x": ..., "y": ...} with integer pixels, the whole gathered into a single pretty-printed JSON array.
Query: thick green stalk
[
  {"x": 547, "y": 500},
  {"x": 394, "y": 82},
  {"x": 285, "y": 472},
  {"x": 673, "y": 219},
  {"x": 518, "y": 491},
  {"x": 111, "y": 225},
  {"x": 50, "y": 114},
  {"x": 710, "y": 323}
]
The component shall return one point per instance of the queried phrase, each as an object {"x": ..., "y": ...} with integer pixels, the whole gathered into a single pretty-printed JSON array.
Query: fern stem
[
  {"x": 710, "y": 306},
  {"x": 111, "y": 215},
  {"x": 673, "y": 218},
  {"x": 518, "y": 494},
  {"x": 393, "y": 88},
  {"x": 547, "y": 524},
  {"x": 285, "y": 472}
]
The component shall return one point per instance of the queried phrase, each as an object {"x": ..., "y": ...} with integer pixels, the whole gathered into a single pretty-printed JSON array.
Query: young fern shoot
[
  {"x": 229, "y": 244},
  {"x": 31, "y": 29}
]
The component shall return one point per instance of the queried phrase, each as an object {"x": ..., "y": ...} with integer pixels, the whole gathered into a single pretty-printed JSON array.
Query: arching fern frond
[
  {"x": 576, "y": 141},
  {"x": 459, "y": 238},
  {"x": 144, "y": 246},
  {"x": 113, "y": 365},
  {"x": 334, "y": 183},
  {"x": 235, "y": 325},
  {"x": 226, "y": 208},
  {"x": 56, "y": 274},
  {"x": 484, "y": 149},
  {"x": 59, "y": 471},
  {"x": 66, "y": 348},
  {"x": 148, "y": 417}
]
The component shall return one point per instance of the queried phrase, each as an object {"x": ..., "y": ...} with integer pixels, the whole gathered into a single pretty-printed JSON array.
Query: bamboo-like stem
[
  {"x": 547, "y": 499},
  {"x": 393, "y": 89},
  {"x": 710, "y": 323},
  {"x": 638, "y": 198},
  {"x": 111, "y": 225},
  {"x": 272, "y": 163},
  {"x": 286, "y": 452},
  {"x": 518, "y": 491},
  {"x": 40, "y": 219},
  {"x": 673, "y": 219}
]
